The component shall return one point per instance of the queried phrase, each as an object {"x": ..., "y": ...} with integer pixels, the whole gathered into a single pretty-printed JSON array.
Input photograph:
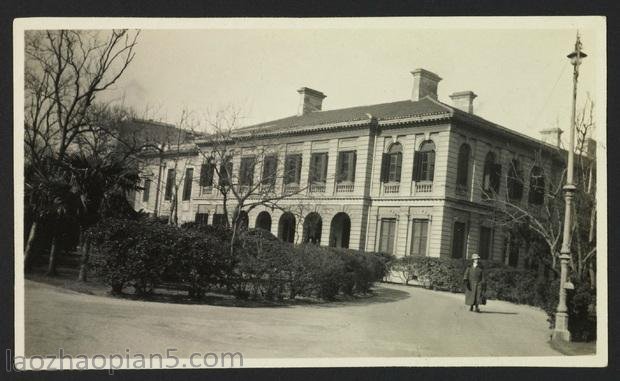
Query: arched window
[
  {"x": 392, "y": 164},
  {"x": 491, "y": 175},
  {"x": 515, "y": 181},
  {"x": 263, "y": 221},
  {"x": 537, "y": 186},
  {"x": 462, "y": 168},
  {"x": 313, "y": 225},
  {"x": 424, "y": 162}
]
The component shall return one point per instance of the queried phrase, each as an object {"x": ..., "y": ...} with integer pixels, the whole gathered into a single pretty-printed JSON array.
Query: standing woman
[{"x": 474, "y": 284}]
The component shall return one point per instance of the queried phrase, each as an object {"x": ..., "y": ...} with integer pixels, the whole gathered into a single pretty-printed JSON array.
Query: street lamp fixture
[{"x": 561, "y": 331}]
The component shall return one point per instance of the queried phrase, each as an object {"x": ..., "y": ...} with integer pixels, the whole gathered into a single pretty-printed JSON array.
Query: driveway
[{"x": 399, "y": 321}]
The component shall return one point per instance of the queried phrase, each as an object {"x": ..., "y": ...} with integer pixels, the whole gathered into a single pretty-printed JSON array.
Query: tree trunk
[
  {"x": 51, "y": 268},
  {"x": 29, "y": 246},
  {"x": 82, "y": 276}
]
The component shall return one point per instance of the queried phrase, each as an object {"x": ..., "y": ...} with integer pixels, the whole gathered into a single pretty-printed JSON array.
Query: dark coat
[{"x": 474, "y": 283}]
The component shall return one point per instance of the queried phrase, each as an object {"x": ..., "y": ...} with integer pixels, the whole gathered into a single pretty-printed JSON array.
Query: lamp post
[{"x": 561, "y": 315}]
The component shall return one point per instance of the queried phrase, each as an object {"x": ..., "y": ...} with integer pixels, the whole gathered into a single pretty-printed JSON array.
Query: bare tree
[
  {"x": 540, "y": 215},
  {"x": 263, "y": 166},
  {"x": 64, "y": 72}
]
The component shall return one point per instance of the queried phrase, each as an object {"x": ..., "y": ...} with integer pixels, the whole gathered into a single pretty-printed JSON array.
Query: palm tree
[{"x": 81, "y": 187}]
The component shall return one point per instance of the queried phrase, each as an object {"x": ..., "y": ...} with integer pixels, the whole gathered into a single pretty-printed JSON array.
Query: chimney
[
  {"x": 464, "y": 100},
  {"x": 552, "y": 136},
  {"x": 310, "y": 100},
  {"x": 424, "y": 84}
]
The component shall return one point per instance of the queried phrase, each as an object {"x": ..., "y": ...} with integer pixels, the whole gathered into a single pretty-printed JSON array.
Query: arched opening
[
  {"x": 340, "y": 231},
  {"x": 537, "y": 186},
  {"x": 263, "y": 221},
  {"x": 462, "y": 169},
  {"x": 424, "y": 162},
  {"x": 313, "y": 225},
  {"x": 286, "y": 227}
]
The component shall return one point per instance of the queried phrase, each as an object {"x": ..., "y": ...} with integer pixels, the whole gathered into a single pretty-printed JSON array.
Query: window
[
  {"x": 170, "y": 179},
  {"x": 318, "y": 168},
  {"x": 537, "y": 186},
  {"x": 206, "y": 175},
  {"x": 202, "y": 215},
  {"x": 462, "y": 167},
  {"x": 345, "y": 171},
  {"x": 485, "y": 244},
  {"x": 219, "y": 220},
  {"x": 246, "y": 171},
  {"x": 226, "y": 170},
  {"x": 270, "y": 166},
  {"x": 292, "y": 169},
  {"x": 147, "y": 190},
  {"x": 392, "y": 164},
  {"x": 419, "y": 236},
  {"x": 187, "y": 184},
  {"x": 386, "y": 238},
  {"x": 424, "y": 162},
  {"x": 458, "y": 239},
  {"x": 491, "y": 175},
  {"x": 515, "y": 181}
]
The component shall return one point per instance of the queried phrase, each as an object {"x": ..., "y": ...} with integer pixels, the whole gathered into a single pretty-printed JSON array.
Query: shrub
[
  {"x": 435, "y": 273},
  {"x": 144, "y": 254},
  {"x": 132, "y": 253},
  {"x": 262, "y": 266}
]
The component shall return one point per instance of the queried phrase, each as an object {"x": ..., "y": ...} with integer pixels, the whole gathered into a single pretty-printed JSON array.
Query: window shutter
[
  {"x": 352, "y": 163},
  {"x": 497, "y": 175},
  {"x": 324, "y": 172},
  {"x": 385, "y": 167},
  {"x": 416, "y": 166},
  {"x": 338, "y": 169},
  {"x": 431, "y": 165},
  {"x": 298, "y": 169},
  {"x": 399, "y": 164},
  {"x": 206, "y": 175}
]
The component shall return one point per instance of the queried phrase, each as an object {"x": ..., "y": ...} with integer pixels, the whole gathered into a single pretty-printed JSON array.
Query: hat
[{"x": 475, "y": 256}]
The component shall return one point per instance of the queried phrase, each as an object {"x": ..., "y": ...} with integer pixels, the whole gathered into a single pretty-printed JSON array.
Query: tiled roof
[
  {"x": 385, "y": 114},
  {"x": 382, "y": 111}
]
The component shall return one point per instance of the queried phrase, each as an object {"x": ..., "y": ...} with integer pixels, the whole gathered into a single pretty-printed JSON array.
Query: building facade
[{"x": 414, "y": 177}]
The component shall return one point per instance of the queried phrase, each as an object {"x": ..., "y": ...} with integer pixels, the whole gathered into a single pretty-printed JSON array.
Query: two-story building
[{"x": 412, "y": 177}]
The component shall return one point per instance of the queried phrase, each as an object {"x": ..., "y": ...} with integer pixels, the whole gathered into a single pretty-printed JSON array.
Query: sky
[{"x": 521, "y": 74}]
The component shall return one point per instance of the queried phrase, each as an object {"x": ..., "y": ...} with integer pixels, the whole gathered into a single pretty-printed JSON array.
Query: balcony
[
  {"x": 317, "y": 188},
  {"x": 344, "y": 188},
  {"x": 206, "y": 190},
  {"x": 424, "y": 187},
  {"x": 291, "y": 188},
  {"x": 391, "y": 188},
  {"x": 267, "y": 188}
]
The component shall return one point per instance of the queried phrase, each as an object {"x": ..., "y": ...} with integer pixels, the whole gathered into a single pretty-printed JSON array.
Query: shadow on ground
[{"x": 66, "y": 280}]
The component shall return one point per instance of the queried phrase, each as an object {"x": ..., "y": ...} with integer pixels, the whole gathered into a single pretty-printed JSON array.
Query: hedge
[{"x": 147, "y": 254}]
